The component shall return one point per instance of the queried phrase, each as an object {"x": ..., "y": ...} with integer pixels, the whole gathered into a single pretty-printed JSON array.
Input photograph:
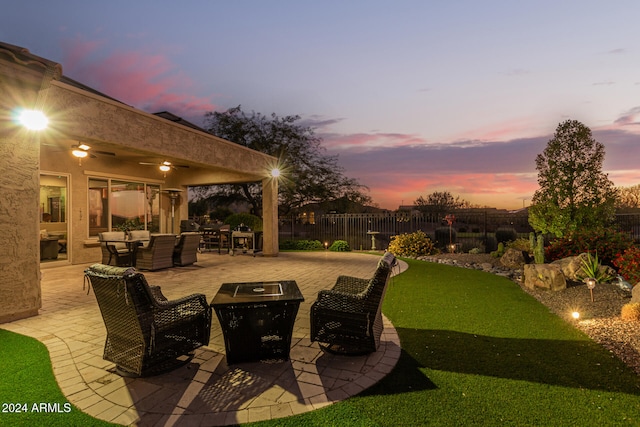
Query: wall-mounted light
[
  {"x": 33, "y": 119},
  {"x": 275, "y": 173}
]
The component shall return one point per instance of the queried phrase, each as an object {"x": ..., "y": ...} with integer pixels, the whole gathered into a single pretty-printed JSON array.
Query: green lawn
[{"x": 476, "y": 350}]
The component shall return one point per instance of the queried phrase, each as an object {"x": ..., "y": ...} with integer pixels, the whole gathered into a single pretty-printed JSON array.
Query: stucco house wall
[{"x": 80, "y": 115}]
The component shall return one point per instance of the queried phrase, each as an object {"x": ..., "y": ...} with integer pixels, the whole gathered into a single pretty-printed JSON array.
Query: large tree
[
  {"x": 309, "y": 173},
  {"x": 628, "y": 197},
  {"x": 439, "y": 203},
  {"x": 574, "y": 192}
]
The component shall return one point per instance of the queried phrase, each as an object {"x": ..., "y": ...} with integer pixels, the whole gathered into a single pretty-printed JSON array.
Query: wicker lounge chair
[
  {"x": 348, "y": 318},
  {"x": 158, "y": 254},
  {"x": 186, "y": 249},
  {"x": 146, "y": 334}
]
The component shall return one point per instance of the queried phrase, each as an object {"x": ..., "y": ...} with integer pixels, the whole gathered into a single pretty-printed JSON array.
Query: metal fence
[{"x": 472, "y": 228}]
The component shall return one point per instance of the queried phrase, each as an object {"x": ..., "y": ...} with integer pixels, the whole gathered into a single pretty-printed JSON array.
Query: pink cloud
[{"x": 149, "y": 82}]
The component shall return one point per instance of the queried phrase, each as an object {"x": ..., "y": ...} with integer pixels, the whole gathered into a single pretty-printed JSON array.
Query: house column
[{"x": 270, "y": 216}]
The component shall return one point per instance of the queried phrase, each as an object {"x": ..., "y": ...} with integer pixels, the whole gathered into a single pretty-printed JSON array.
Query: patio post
[{"x": 270, "y": 216}]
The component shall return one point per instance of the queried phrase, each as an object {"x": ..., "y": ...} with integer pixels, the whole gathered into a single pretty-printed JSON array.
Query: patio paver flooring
[{"x": 207, "y": 392}]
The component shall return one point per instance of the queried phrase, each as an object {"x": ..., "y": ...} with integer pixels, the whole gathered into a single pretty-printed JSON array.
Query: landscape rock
[
  {"x": 635, "y": 293},
  {"x": 513, "y": 259},
  {"x": 572, "y": 266},
  {"x": 545, "y": 276}
]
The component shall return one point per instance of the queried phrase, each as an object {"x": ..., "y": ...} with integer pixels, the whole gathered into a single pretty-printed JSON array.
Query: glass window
[{"x": 119, "y": 205}]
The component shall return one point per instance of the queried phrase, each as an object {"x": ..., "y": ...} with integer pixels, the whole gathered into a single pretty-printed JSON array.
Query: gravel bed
[{"x": 599, "y": 319}]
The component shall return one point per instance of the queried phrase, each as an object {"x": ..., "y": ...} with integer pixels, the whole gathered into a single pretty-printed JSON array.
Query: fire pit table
[{"x": 257, "y": 319}]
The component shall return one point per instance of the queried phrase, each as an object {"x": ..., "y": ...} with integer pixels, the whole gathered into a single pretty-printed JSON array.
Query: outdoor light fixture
[
  {"x": 275, "y": 172},
  {"x": 80, "y": 151},
  {"x": 165, "y": 167},
  {"x": 591, "y": 283},
  {"x": 33, "y": 119},
  {"x": 575, "y": 315}
]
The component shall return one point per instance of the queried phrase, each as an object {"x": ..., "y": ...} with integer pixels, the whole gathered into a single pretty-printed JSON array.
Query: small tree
[{"x": 574, "y": 192}]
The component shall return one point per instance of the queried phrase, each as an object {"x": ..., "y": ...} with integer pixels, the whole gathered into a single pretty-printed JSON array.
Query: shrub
[
  {"x": 467, "y": 245},
  {"x": 607, "y": 242},
  {"x": 301, "y": 245},
  {"x": 520, "y": 244},
  {"x": 251, "y": 221},
  {"x": 506, "y": 234},
  {"x": 490, "y": 244},
  {"x": 412, "y": 244},
  {"x": 630, "y": 311},
  {"x": 442, "y": 236},
  {"x": 628, "y": 264},
  {"x": 475, "y": 251},
  {"x": 340, "y": 246}
]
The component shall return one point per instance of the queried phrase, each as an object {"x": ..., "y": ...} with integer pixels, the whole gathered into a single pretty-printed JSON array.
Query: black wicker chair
[
  {"x": 146, "y": 333},
  {"x": 348, "y": 318}
]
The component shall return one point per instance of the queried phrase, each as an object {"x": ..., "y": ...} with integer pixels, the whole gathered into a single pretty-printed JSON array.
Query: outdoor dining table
[
  {"x": 132, "y": 248},
  {"x": 257, "y": 319}
]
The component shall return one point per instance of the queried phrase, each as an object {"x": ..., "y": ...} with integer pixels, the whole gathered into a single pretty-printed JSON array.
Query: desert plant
[
  {"x": 412, "y": 244},
  {"x": 591, "y": 268},
  {"x": 538, "y": 252},
  {"x": 498, "y": 252},
  {"x": 628, "y": 264},
  {"x": 607, "y": 242},
  {"x": 630, "y": 311},
  {"x": 340, "y": 246},
  {"x": 475, "y": 251},
  {"x": 532, "y": 241},
  {"x": 506, "y": 234}
]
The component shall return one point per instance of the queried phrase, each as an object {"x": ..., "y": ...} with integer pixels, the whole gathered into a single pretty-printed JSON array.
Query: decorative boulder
[
  {"x": 635, "y": 293},
  {"x": 571, "y": 266},
  {"x": 513, "y": 259},
  {"x": 546, "y": 276}
]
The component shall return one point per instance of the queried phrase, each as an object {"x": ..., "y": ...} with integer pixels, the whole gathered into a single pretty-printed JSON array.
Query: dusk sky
[{"x": 414, "y": 96}]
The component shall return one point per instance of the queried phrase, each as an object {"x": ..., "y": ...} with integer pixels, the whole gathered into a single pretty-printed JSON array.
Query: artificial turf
[
  {"x": 476, "y": 350},
  {"x": 29, "y": 393}
]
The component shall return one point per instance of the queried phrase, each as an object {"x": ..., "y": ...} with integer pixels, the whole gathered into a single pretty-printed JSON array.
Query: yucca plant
[{"x": 591, "y": 268}]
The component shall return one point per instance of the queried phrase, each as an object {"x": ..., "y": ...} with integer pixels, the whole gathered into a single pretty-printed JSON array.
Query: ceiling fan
[
  {"x": 164, "y": 166},
  {"x": 81, "y": 151}
]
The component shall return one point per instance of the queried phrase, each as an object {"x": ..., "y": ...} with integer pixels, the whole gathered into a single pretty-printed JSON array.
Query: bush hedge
[{"x": 412, "y": 245}]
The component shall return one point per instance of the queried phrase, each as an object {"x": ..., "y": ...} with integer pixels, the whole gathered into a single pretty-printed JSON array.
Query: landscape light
[{"x": 33, "y": 119}]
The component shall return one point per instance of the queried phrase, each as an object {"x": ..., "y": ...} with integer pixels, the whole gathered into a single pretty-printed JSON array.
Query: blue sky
[{"x": 414, "y": 96}]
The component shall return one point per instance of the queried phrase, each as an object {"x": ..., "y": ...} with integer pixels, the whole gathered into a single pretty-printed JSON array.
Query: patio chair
[
  {"x": 347, "y": 319},
  {"x": 144, "y": 236},
  {"x": 186, "y": 249},
  {"x": 158, "y": 254},
  {"x": 114, "y": 253},
  {"x": 146, "y": 333}
]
